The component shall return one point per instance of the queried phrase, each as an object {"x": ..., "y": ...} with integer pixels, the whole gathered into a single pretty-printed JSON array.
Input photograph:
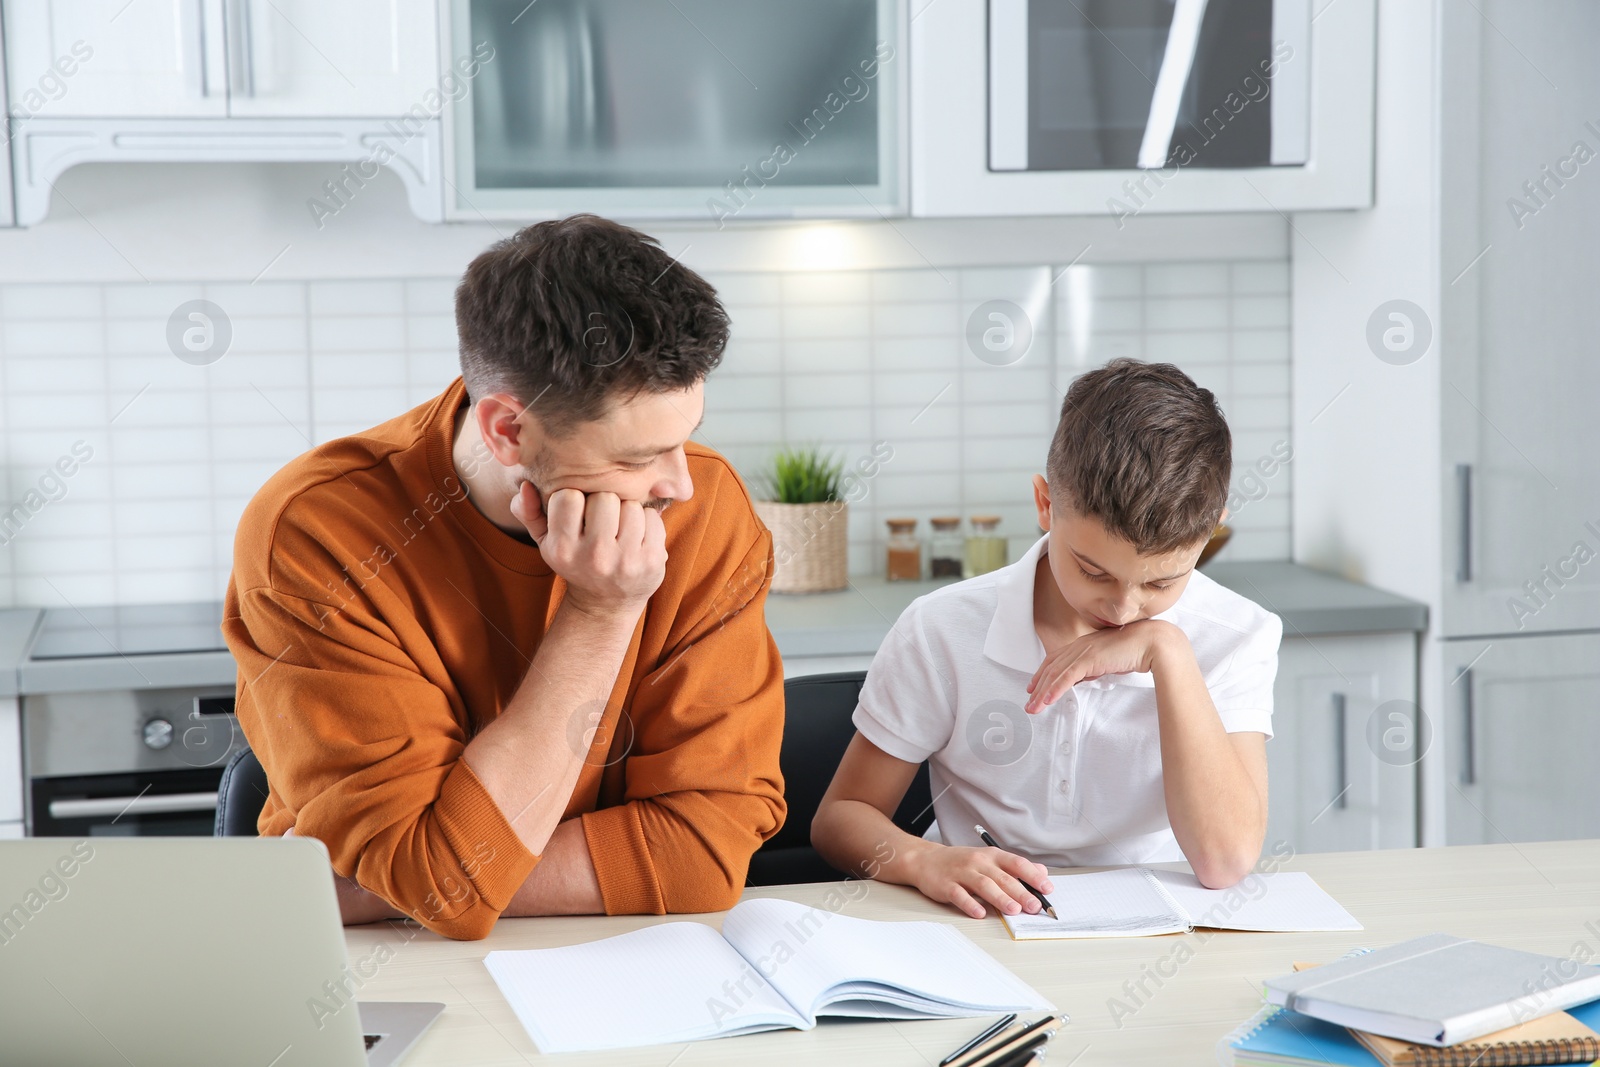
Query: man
[{"x": 505, "y": 653}]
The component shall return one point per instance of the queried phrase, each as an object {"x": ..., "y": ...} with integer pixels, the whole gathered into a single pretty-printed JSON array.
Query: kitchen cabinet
[
  {"x": 1520, "y": 528},
  {"x": 1525, "y": 715},
  {"x": 99, "y": 58},
  {"x": 712, "y": 110},
  {"x": 354, "y": 58},
  {"x": 10, "y": 762},
  {"x": 7, "y": 215},
  {"x": 216, "y": 58},
  {"x": 1007, "y": 96},
  {"x": 1341, "y": 762},
  {"x": 178, "y": 81}
]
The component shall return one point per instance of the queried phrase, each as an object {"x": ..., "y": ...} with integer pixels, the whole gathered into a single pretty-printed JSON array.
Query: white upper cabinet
[
  {"x": 343, "y": 59},
  {"x": 1122, "y": 107},
  {"x": 220, "y": 58},
  {"x": 112, "y": 58}
]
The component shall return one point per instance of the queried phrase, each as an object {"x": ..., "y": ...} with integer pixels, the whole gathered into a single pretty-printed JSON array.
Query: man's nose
[{"x": 675, "y": 483}]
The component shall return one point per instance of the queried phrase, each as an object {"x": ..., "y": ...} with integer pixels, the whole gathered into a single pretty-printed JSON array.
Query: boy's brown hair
[
  {"x": 573, "y": 314},
  {"x": 1144, "y": 450}
]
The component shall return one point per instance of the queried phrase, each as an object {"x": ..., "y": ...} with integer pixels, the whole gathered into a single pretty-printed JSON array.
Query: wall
[
  {"x": 1367, "y": 433},
  {"x": 334, "y": 330}
]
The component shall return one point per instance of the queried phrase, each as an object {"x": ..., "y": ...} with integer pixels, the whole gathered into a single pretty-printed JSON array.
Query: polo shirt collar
[{"x": 1013, "y": 642}]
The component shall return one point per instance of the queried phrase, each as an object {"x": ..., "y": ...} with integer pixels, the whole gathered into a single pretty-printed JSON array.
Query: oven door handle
[{"x": 161, "y": 804}]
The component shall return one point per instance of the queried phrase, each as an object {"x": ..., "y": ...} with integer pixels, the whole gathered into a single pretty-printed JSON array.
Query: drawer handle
[{"x": 161, "y": 804}]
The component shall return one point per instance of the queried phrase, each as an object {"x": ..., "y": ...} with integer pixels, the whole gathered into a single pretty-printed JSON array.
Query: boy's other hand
[
  {"x": 969, "y": 878},
  {"x": 1115, "y": 650}
]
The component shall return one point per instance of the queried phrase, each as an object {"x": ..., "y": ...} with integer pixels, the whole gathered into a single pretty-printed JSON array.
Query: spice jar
[
  {"x": 985, "y": 549},
  {"x": 904, "y": 563},
  {"x": 945, "y": 547}
]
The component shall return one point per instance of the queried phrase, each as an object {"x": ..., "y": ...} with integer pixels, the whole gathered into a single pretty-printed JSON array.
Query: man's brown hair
[
  {"x": 1144, "y": 450},
  {"x": 573, "y": 314}
]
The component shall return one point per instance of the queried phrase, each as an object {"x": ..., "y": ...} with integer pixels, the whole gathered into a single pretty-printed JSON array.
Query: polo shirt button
[
  {"x": 1063, "y": 786},
  {"x": 1066, "y": 748}
]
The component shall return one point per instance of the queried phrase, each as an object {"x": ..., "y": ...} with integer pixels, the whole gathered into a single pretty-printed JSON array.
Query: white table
[{"x": 1147, "y": 1000}]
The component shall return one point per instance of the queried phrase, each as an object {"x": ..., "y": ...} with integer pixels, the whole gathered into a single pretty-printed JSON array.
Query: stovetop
[{"x": 129, "y": 630}]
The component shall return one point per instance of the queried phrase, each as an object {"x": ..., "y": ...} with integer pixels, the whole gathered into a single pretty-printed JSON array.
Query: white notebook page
[
  {"x": 1282, "y": 901},
  {"x": 808, "y": 952},
  {"x": 1119, "y": 903},
  {"x": 647, "y": 987}
]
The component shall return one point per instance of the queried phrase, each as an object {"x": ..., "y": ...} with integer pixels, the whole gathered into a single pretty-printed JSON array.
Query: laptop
[{"x": 186, "y": 951}]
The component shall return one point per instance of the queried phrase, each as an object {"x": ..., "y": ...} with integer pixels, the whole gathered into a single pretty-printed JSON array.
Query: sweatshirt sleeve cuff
[
  {"x": 622, "y": 861},
  {"x": 477, "y": 829}
]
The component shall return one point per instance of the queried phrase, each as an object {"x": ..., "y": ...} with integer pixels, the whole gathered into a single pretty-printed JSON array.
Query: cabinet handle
[
  {"x": 1469, "y": 769},
  {"x": 1340, "y": 755},
  {"x": 193, "y": 17},
  {"x": 241, "y": 49},
  {"x": 1464, "y": 533}
]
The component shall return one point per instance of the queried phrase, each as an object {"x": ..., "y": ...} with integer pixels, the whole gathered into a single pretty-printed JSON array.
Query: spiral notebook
[
  {"x": 1284, "y": 1038},
  {"x": 1436, "y": 989},
  {"x": 1138, "y": 901},
  {"x": 1550, "y": 1039}
]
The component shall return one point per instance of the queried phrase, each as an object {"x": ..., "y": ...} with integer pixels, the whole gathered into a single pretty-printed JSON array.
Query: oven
[{"x": 109, "y": 748}]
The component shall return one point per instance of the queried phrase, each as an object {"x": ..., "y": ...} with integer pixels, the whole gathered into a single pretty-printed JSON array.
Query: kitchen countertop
[
  {"x": 854, "y": 621},
  {"x": 16, "y": 634},
  {"x": 851, "y": 622}
]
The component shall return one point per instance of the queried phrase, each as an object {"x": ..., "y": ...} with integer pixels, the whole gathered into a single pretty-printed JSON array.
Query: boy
[{"x": 1098, "y": 702}]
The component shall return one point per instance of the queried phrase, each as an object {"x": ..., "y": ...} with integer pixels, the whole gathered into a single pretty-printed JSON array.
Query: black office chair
[
  {"x": 241, "y": 795},
  {"x": 817, "y": 728}
]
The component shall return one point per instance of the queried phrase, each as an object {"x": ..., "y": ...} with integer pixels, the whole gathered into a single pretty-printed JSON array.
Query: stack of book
[{"x": 1435, "y": 1001}]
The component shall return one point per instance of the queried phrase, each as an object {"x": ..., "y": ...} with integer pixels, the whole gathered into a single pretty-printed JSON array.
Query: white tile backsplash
[{"x": 842, "y": 359}]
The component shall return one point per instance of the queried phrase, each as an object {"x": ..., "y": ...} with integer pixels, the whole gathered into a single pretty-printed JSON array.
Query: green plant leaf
[{"x": 803, "y": 475}]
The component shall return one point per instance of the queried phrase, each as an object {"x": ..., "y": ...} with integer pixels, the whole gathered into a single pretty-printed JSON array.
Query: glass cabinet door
[{"x": 681, "y": 108}]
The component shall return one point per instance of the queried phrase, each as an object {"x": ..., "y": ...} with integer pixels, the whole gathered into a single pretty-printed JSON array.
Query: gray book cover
[{"x": 1438, "y": 989}]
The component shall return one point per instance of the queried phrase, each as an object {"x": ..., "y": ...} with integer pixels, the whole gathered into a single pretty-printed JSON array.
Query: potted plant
[{"x": 809, "y": 520}]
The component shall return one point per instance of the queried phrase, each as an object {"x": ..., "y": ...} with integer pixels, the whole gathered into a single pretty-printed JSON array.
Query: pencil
[
  {"x": 981, "y": 1039},
  {"x": 1040, "y": 897}
]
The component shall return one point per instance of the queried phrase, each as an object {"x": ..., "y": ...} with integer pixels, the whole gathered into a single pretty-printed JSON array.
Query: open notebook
[
  {"x": 775, "y": 965},
  {"x": 1135, "y": 901}
]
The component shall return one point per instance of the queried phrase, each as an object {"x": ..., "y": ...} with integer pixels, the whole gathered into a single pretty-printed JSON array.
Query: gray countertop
[
  {"x": 852, "y": 622},
  {"x": 16, "y": 634}
]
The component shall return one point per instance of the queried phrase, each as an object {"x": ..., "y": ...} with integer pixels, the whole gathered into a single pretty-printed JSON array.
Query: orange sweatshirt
[{"x": 379, "y": 621}]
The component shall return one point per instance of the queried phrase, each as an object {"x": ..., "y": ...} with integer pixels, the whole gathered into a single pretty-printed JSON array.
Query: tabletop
[{"x": 1138, "y": 1000}]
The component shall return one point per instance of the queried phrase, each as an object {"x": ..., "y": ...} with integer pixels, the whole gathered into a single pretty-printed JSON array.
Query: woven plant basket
[{"x": 810, "y": 551}]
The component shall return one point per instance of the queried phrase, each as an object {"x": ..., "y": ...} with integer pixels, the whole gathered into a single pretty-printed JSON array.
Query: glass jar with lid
[
  {"x": 904, "y": 560},
  {"x": 985, "y": 548},
  {"x": 945, "y": 547}
]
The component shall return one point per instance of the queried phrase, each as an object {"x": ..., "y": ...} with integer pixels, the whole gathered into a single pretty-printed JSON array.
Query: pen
[
  {"x": 980, "y": 1039},
  {"x": 1040, "y": 897}
]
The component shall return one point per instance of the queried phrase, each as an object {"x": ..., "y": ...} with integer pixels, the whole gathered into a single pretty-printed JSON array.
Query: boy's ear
[
  {"x": 1224, "y": 516},
  {"x": 1041, "y": 500}
]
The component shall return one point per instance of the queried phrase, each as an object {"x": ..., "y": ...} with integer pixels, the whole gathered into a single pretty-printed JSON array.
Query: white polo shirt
[{"x": 1078, "y": 784}]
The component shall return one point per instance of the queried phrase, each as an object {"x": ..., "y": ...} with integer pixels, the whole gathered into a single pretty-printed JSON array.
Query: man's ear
[
  {"x": 502, "y": 428},
  {"x": 1224, "y": 516},
  {"x": 1041, "y": 500}
]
